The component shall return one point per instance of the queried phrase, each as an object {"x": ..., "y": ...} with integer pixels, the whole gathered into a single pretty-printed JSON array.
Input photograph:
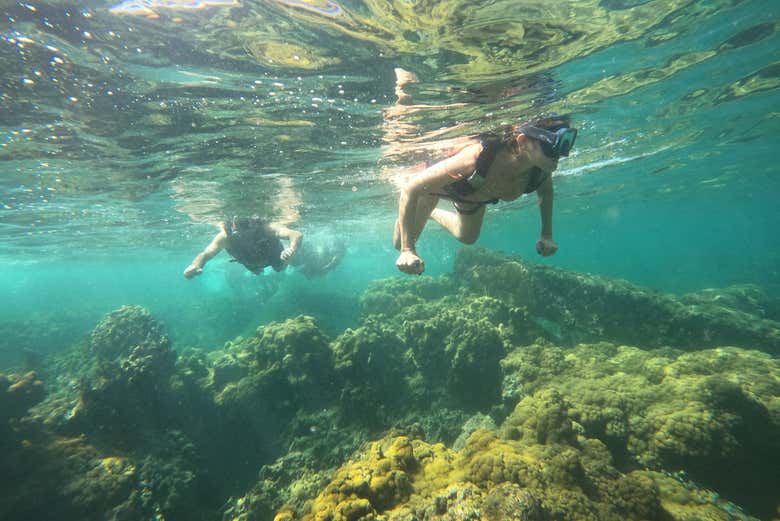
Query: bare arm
[
  {"x": 432, "y": 179},
  {"x": 196, "y": 266},
  {"x": 546, "y": 246},
  {"x": 293, "y": 236}
]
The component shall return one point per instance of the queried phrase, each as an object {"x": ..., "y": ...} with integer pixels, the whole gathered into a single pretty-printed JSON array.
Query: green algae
[{"x": 447, "y": 401}]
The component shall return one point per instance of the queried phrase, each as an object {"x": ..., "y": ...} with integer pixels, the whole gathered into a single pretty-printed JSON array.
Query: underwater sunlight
[{"x": 483, "y": 260}]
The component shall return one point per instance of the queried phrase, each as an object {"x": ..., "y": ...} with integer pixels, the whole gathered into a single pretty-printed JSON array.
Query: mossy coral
[
  {"x": 122, "y": 330},
  {"x": 669, "y": 410},
  {"x": 398, "y": 479},
  {"x": 587, "y": 308},
  {"x": 17, "y": 394},
  {"x": 372, "y": 368}
]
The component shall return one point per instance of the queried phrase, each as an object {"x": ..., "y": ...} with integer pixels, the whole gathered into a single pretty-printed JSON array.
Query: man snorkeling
[
  {"x": 480, "y": 171},
  {"x": 251, "y": 242},
  {"x": 257, "y": 245}
]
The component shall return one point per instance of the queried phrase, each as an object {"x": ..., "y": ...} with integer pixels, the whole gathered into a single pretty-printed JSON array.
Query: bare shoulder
[{"x": 466, "y": 159}]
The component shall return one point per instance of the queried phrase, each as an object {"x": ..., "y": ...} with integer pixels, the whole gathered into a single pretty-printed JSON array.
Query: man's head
[{"x": 239, "y": 224}]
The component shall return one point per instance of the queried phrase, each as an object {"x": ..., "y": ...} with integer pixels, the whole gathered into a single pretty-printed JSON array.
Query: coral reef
[
  {"x": 589, "y": 308},
  {"x": 670, "y": 410},
  {"x": 372, "y": 367},
  {"x": 471, "y": 396},
  {"x": 122, "y": 330},
  {"x": 17, "y": 394},
  {"x": 499, "y": 479}
]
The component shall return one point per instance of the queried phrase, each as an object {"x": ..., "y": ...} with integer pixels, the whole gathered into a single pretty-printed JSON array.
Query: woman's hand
[
  {"x": 410, "y": 263},
  {"x": 546, "y": 246}
]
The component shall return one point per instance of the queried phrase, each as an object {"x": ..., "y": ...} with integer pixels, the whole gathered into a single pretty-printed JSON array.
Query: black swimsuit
[
  {"x": 458, "y": 190},
  {"x": 255, "y": 246}
]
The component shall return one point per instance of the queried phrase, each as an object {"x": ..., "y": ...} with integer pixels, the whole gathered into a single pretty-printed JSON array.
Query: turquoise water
[
  {"x": 129, "y": 129},
  {"x": 672, "y": 185}
]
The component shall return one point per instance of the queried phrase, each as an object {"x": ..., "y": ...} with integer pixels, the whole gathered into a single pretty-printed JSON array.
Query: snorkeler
[
  {"x": 480, "y": 171},
  {"x": 251, "y": 242},
  {"x": 257, "y": 245}
]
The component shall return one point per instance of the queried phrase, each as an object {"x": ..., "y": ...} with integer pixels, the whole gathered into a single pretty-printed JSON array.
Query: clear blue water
[{"x": 124, "y": 138}]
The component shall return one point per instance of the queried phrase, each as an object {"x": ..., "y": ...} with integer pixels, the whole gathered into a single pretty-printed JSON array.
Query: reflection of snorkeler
[{"x": 477, "y": 171}]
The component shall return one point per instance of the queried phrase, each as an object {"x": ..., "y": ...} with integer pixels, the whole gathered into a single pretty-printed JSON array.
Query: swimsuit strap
[
  {"x": 490, "y": 147},
  {"x": 468, "y": 185}
]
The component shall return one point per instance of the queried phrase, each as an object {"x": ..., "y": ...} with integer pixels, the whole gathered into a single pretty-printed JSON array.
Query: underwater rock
[
  {"x": 589, "y": 308},
  {"x": 272, "y": 421},
  {"x": 433, "y": 422},
  {"x": 456, "y": 345},
  {"x": 80, "y": 480},
  {"x": 375, "y": 482},
  {"x": 122, "y": 330},
  {"x": 295, "y": 358},
  {"x": 392, "y": 296},
  {"x": 126, "y": 397},
  {"x": 748, "y": 298},
  {"x": 17, "y": 394},
  {"x": 77, "y": 481},
  {"x": 543, "y": 418},
  {"x": 372, "y": 369},
  {"x": 474, "y": 349},
  {"x": 477, "y": 421},
  {"x": 287, "y": 372},
  {"x": 714, "y": 413},
  {"x": 315, "y": 449},
  {"x": 494, "y": 479},
  {"x": 510, "y": 502},
  {"x": 227, "y": 368}
]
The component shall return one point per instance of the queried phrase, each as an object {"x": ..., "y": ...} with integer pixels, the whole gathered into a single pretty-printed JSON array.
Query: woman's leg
[
  {"x": 425, "y": 205},
  {"x": 464, "y": 227}
]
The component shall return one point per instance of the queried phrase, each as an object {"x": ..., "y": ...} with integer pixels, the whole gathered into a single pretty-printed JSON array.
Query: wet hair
[
  {"x": 240, "y": 223},
  {"x": 552, "y": 123}
]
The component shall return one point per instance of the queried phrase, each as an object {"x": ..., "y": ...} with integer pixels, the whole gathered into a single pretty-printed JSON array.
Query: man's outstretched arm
[{"x": 196, "y": 266}]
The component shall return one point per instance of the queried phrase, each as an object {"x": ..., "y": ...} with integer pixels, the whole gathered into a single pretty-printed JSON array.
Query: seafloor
[{"x": 502, "y": 391}]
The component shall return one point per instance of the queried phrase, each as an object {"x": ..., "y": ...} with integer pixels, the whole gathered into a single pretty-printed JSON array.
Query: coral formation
[
  {"x": 670, "y": 410},
  {"x": 470, "y": 396},
  {"x": 589, "y": 308},
  {"x": 122, "y": 330},
  {"x": 493, "y": 478},
  {"x": 17, "y": 394}
]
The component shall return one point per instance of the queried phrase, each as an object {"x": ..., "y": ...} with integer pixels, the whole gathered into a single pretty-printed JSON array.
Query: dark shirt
[{"x": 255, "y": 245}]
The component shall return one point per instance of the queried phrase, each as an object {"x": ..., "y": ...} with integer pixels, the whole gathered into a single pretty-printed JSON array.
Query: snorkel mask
[{"x": 554, "y": 144}]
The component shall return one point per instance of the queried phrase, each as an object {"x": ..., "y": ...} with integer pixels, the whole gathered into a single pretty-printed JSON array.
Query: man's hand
[
  {"x": 546, "y": 246},
  {"x": 287, "y": 253},
  {"x": 192, "y": 271},
  {"x": 410, "y": 263}
]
